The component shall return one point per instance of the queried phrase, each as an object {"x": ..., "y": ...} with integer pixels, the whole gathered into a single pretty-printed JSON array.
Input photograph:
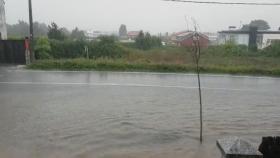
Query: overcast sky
[{"x": 149, "y": 15}]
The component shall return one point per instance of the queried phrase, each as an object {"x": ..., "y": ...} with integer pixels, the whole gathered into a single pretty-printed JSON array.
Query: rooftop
[{"x": 246, "y": 32}]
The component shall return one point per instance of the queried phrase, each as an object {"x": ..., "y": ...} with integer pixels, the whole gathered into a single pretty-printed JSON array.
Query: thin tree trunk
[{"x": 200, "y": 101}]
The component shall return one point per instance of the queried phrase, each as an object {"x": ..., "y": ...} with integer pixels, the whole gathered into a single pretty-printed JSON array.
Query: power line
[{"x": 224, "y": 3}]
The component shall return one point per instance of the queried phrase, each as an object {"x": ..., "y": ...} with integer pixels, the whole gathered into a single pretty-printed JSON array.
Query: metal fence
[{"x": 12, "y": 51}]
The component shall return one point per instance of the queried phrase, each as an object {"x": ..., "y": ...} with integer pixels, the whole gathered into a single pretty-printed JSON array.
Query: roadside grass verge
[{"x": 232, "y": 65}]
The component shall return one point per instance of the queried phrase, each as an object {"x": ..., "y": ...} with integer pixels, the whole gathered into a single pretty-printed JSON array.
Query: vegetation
[
  {"x": 106, "y": 46},
  {"x": 67, "y": 50},
  {"x": 230, "y": 66},
  {"x": 215, "y": 59},
  {"x": 43, "y": 48}
]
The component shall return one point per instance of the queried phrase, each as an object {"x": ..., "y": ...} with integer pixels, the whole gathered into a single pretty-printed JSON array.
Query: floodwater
[{"x": 130, "y": 115}]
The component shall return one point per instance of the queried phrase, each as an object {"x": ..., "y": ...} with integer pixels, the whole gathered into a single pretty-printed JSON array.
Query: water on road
[{"x": 130, "y": 115}]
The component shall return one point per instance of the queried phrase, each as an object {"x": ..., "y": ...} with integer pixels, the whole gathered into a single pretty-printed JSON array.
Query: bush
[
  {"x": 68, "y": 49},
  {"x": 273, "y": 50},
  {"x": 43, "y": 48},
  {"x": 228, "y": 49},
  {"x": 106, "y": 46}
]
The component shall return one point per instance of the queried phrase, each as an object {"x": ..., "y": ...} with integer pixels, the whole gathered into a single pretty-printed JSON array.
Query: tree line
[{"x": 52, "y": 31}]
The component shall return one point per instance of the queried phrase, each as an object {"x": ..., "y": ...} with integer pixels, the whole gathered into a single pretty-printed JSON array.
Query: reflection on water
[{"x": 130, "y": 121}]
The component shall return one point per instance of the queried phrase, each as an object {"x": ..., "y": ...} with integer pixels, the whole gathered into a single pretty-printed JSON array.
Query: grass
[{"x": 169, "y": 59}]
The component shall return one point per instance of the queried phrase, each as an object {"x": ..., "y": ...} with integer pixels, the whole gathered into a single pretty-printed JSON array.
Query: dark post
[
  {"x": 253, "y": 38},
  {"x": 199, "y": 88},
  {"x": 31, "y": 31}
]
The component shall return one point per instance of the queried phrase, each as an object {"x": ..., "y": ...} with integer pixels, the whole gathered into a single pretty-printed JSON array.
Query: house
[
  {"x": 261, "y": 38},
  {"x": 186, "y": 39},
  {"x": 132, "y": 35}
]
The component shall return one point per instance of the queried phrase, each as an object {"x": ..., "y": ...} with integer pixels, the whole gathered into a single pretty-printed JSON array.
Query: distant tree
[
  {"x": 66, "y": 32},
  {"x": 245, "y": 27},
  {"x": 156, "y": 41},
  {"x": 107, "y": 39},
  {"x": 40, "y": 29},
  {"x": 140, "y": 40},
  {"x": 78, "y": 34},
  {"x": 122, "y": 31},
  {"x": 55, "y": 32},
  {"x": 21, "y": 29},
  {"x": 146, "y": 41},
  {"x": 260, "y": 24}
]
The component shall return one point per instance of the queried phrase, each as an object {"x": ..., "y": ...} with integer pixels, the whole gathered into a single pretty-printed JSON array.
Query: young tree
[{"x": 55, "y": 32}]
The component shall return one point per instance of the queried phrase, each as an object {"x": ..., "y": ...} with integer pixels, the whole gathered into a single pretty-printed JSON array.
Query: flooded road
[{"x": 130, "y": 115}]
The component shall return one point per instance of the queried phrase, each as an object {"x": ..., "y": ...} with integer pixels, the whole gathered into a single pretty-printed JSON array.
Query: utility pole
[{"x": 31, "y": 35}]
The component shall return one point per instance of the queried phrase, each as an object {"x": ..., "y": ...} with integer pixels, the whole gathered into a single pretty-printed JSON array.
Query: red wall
[{"x": 189, "y": 42}]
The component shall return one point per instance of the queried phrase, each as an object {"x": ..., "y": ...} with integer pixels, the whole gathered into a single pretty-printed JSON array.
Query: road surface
[{"x": 51, "y": 114}]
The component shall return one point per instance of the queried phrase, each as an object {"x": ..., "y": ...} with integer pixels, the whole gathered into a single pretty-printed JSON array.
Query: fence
[{"x": 12, "y": 51}]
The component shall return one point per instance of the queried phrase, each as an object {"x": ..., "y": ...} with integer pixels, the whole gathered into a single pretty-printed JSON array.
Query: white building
[
  {"x": 267, "y": 39},
  {"x": 92, "y": 35},
  {"x": 3, "y": 28},
  {"x": 213, "y": 38},
  {"x": 239, "y": 37}
]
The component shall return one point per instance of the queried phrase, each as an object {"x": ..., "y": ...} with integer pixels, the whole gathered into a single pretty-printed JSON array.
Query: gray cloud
[{"x": 150, "y": 15}]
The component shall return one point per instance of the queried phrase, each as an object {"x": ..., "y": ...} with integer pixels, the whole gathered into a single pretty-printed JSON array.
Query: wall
[
  {"x": 12, "y": 51},
  {"x": 267, "y": 38},
  {"x": 240, "y": 39}
]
